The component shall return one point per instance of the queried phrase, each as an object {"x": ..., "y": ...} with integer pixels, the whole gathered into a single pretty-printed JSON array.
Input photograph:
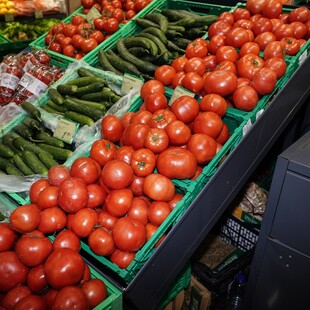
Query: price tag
[
  {"x": 178, "y": 92},
  {"x": 38, "y": 14},
  {"x": 8, "y": 17},
  {"x": 130, "y": 82},
  {"x": 246, "y": 128},
  {"x": 92, "y": 14},
  {"x": 66, "y": 130}
]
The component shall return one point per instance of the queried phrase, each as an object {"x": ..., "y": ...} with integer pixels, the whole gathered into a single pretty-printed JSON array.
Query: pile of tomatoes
[
  {"x": 38, "y": 274},
  {"x": 244, "y": 55}
]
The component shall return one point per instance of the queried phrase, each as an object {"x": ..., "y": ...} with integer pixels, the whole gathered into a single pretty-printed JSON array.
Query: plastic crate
[
  {"x": 148, "y": 249},
  {"x": 7, "y": 205},
  {"x": 244, "y": 237}
]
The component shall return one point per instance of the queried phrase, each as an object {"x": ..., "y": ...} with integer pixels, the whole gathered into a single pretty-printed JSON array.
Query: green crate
[
  {"x": 148, "y": 248},
  {"x": 114, "y": 301},
  {"x": 181, "y": 282},
  {"x": 7, "y": 205}
]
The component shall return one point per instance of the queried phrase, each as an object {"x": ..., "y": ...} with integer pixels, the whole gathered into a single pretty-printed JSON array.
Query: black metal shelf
[{"x": 153, "y": 280}]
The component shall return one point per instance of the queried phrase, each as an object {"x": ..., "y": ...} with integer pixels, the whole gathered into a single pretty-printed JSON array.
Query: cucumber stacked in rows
[{"x": 164, "y": 36}]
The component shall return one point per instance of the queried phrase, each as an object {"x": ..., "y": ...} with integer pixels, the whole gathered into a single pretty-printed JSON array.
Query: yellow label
[
  {"x": 8, "y": 17},
  {"x": 180, "y": 91},
  {"x": 66, "y": 130},
  {"x": 38, "y": 14},
  {"x": 130, "y": 82}
]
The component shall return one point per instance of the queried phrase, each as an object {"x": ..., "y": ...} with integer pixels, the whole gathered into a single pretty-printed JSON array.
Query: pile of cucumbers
[
  {"x": 164, "y": 36},
  {"x": 30, "y": 147},
  {"x": 84, "y": 99}
]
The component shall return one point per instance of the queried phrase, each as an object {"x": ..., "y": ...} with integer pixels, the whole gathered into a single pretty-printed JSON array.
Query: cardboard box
[
  {"x": 72, "y": 5},
  {"x": 176, "y": 303}
]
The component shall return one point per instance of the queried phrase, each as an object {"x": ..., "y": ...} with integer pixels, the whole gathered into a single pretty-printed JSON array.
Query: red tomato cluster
[
  {"x": 122, "y": 10},
  {"x": 79, "y": 37},
  {"x": 244, "y": 55},
  {"x": 38, "y": 274}
]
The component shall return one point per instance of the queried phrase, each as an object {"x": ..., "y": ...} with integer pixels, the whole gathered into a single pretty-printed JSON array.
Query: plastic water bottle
[{"x": 236, "y": 292}]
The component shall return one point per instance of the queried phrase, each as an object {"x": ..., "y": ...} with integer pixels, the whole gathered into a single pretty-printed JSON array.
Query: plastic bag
[
  {"x": 8, "y": 113},
  {"x": 16, "y": 184}
]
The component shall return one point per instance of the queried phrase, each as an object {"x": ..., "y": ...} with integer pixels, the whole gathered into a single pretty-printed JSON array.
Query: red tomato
[
  {"x": 95, "y": 291},
  {"x": 12, "y": 271},
  {"x": 174, "y": 201},
  {"x": 185, "y": 108},
  {"x": 72, "y": 195},
  {"x": 165, "y": 74},
  {"x": 236, "y": 37},
  {"x": 64, "y": 267},
  {"x": 139, "y": 210},
  {"x": 196, "y": 49},
  {"x": 218, "y": 28},
  {"x": 77, "y": 40},
  {"x": 244, "y": 23},
  {"x": 179, "y": 63},
  {"x": 102, "y": 151},
  {"x": 124, "y": 153},
  {"x": 119, "y": 14},
  {"x": 227, "y": 17},
  {"x": 87, "y": 4},
  {"x": 25, "y": 218},
  {"x": 96, "y": 196},
  {"x": 203, "y": 147},
  {"x": 209, "y": 123},
  {"x": 226, "y": 53},
  {"x": 151, "y": 87},
  {"x": 13, "y": 296},
  {"x": 136, "y": 185},
  {"x": 57, "y": 174},
  {"x": 33, "y": 251},
  {"x": 276, "y": 64},
  {"x": 299, "y": 29},
  {"x": 272, "y": 9},
  {"x": 300, "y": 14},
  {"x": 264, "y": 38},
  {"x": 101, "y": 242},
  {"x": 84, "y": 221},
  {"x": 7, "y": 237},
  {"x": 248, "y": 65},
  {"x": 240, "y": 13},
  {"x": 193, "y": 82},
  {"x": 86, "y": 169},
  {"x": 158, "y": 211},
  {"x": 129, "y": 234},
  {"x": 36, "y": 188},
  {"x": 176, "y": 163},
  {"x": 220, "y": 82},
  {"x": 141, "y": 117},
  {"x": 88, "y": 45},
  {"x": 118, "y": 201},
  {"x": 134, "y": 135},
  {"x": 150, "y": 231},
  {"x": 283, "y": 31},
  {"x": 178, "y": 132},
  {"x": 263, "y": 24},
  {"x": 158, "y": 187},
  {"x": 178, "y": 79},
  {"x": 140, "y": 5},
  {"x": 226, "y": 65},
  {"x": 222, "y": 137},
  {"x": 98, "y": 36},
  {"x": 117, "y": 174},
  {"x": 249, "y": 47},
  {"x": 215, "y": 43},
  {"x": 264, "y": 81},
  {"x": 156, "y": 140},
  {"x": 122, "y": 258},
  {"x": 215, "y": 103},
  {"x": 291, "y": 46},
  {"x": 111, "y": 128},
  {"x": 70, "y": 297},
  {"x": 107, "y": 220},
  {"x": 210, "y": 62},
  {"x": 77, "y": 20},
  {"x": 274, "y": 49},
  {"x": 70, "y": 30},
  {"x": 52, "y": 219},
  {"x": 155, "y": 102},
  {"x": 143, "y": 162},
  {"x": 112, "y": 25},
  {"x": 67, "y": 239},
  {"x": 195, "y": 64},
  {"x": 130, "y": 14},
  {"x": 245, "y": 98},
  {"x": 255, "y": 6},
  {"x": 31, "y": 302}
]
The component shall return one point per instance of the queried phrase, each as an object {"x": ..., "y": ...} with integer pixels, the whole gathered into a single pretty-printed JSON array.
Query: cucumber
[
  {"x": 144, "y": 23},
  {"x": 181, "y": 42},
  {"x": 85, "y": 72},
  {"x": 49, "y": 109},
  {"x": 95, "y": 97},
  {"x": 24, "y": 131},
  {"x": 139, "y": 51},
  {"x": 7, "y": 140},
  {"x": 55, "y": 96},
  {"x": 57, "y": 107},
  {"x": 174, "y": 15},
  {"x": 57, "y": 152},
  {"x": 142, "y": 42},
  {"x": 4, "y": 163},
  {"x": 204, "y": 20},
  {"x": 179, "y": 29},
  {"x": 6, "y": 151},
  {"x": 65, "y": 89},
  {"x": 86, "y": 80},
  {"x": 174, "y": 48},
  {"x": 33, "y": 111},
  {"x": 47, "y": 161},
  {"x": 123, "y": 66},
  {"x": 194, "y": 33},
  {"x": 143, "y": 66},
  {"x": 33, "y": 161},
  {"x": 159, "y": 19},
  {"x": 90, "y": 88},
  {"x": 186, "y": 22},
  {"x": 21, "y": 165},
  {"x": 171, "y": 34},
  {"x": 89, "y": 103},
  {"x": 163, "y": 56},
  {"x": 79, "y": 118},
  {"x": 44, "y": 137},
  {"x": 105, "y": 64},
  {"x": 158, "y": 33},
  {"x": 12, "y": 170},
  {"x": 31, "y": 123},
  {"x": 22, "y": 144},
  {"x": 85, "y": 109}
]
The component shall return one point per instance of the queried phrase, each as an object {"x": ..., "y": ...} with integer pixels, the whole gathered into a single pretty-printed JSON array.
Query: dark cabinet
[{"x": 280, "y": 272}]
